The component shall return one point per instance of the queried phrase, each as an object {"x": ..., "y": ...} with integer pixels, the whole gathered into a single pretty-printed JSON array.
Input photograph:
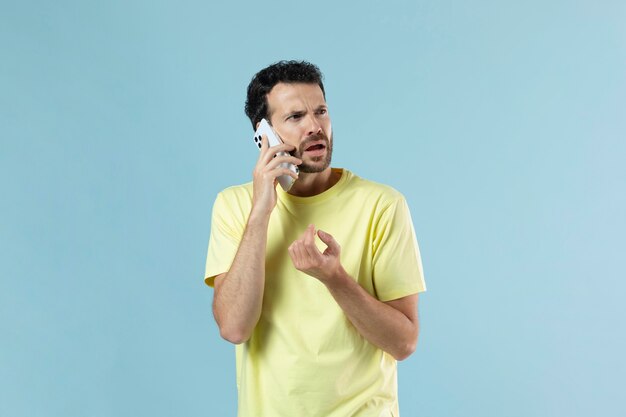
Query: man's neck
[{"x": 310, "y": 184}]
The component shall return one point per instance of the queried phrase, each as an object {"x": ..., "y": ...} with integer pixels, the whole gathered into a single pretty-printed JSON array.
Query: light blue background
[{"x": 503, "y": 123}]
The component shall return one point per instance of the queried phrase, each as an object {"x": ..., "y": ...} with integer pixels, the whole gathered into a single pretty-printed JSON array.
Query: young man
[{"x": 318, "y": 324}]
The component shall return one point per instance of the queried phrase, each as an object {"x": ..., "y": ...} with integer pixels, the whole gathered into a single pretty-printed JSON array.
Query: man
[{"x": 318, "y": 324}]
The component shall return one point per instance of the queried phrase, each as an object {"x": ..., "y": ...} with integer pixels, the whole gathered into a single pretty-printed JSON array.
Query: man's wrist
[
  {"x": 339, "y": 279},
  {"x": 259, "y": 217}
]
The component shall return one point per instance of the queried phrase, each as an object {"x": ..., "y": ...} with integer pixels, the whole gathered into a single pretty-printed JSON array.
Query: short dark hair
[{"x": 279, "y": 72}]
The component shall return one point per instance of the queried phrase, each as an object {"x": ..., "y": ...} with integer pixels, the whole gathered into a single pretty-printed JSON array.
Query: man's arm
[
  {"x": 392, "y": 326},
  {"x": 238, "y": 296}
]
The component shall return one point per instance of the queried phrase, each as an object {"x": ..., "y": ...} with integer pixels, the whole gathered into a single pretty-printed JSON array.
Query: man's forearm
[
  {"x": 238, "y": 297},
  {"x": 392, "y": 326},
  {"x": 379, "y": 323}
]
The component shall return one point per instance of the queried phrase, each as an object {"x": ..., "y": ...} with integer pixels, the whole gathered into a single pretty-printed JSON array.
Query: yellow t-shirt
[{"x": 304, "y": 357}]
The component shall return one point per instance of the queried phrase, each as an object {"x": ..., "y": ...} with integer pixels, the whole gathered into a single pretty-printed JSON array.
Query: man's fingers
[
  {"x": 282, "y": 159},
  {"x": 273, "y": 174},
  {"x": 330, "y": 241},
  {"x": 301, "y": 256},
  {"x": 310, "y": 247},
  {"x": 309, "y": 235},
  {"x": 268, "y": 153}
]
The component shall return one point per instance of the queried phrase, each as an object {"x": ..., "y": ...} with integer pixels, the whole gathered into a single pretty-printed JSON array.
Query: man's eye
[
  {"x": 322, "y": 111},
  {"x": 294, "y": 116}
]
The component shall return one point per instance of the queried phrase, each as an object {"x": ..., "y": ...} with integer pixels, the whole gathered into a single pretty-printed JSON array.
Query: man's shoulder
[
  {"x": 235, "y": 195},
  {"x": 372, "y": 189},
  {"x": 235, "y": 191}
]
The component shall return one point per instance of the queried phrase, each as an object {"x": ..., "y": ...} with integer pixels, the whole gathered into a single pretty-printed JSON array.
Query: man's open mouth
[{"x": 315, "y": 146}]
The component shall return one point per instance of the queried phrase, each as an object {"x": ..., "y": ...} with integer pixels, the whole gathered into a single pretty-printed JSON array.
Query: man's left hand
[{"x": 307, "y": 258}]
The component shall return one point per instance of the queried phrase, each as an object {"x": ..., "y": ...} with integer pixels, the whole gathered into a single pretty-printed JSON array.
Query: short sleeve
[
  {"x": 226, "y": 233},
  {"x": 397, "y": 264}
]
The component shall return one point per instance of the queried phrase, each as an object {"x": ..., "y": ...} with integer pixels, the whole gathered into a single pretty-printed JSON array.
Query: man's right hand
[{"x": 265, "y": 175}]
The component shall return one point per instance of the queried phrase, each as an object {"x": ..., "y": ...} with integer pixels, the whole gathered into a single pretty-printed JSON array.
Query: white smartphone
[{"x": 273, "y": 139}]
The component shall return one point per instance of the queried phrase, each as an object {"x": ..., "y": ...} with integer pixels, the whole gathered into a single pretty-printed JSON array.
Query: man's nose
[{"x": 314, "y": 125}]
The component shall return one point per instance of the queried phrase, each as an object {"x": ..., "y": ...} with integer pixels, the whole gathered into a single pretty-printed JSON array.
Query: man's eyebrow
[
  {"x": 301, "y": 112},
  {"x": 293, "y": 112}
]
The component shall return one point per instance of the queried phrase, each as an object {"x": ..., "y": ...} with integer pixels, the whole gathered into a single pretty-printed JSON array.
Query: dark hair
[{"x": 279, "y": 72}]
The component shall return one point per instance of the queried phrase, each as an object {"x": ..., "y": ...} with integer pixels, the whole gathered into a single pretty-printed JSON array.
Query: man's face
[{"x": 299, "y": 115}]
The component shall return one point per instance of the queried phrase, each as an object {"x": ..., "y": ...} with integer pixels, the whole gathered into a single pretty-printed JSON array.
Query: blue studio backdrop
[{"x": 503, "y": 124}]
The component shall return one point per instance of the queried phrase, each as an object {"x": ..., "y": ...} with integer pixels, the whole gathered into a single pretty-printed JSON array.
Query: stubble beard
[{"x": 309, "y": 168}]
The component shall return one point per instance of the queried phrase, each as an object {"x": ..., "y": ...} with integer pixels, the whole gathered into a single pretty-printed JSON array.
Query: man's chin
[
  {"x": 313, "y": 166},
  {"x": 311, "y": 169}
]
